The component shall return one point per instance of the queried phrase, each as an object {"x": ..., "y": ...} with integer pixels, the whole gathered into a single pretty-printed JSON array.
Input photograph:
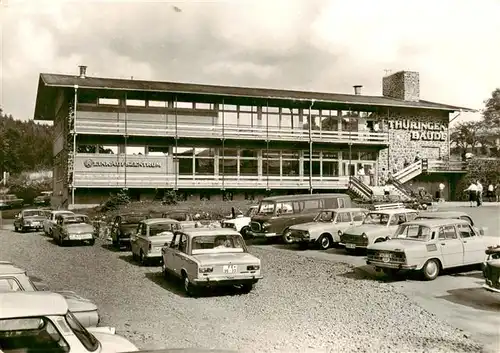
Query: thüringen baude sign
[{"x": 425, "y": 131}]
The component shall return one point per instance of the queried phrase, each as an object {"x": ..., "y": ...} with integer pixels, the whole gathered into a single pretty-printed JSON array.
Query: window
[
  {"x": 9, "y": 285},
  {"x": 22, "y": 334},
  {"x": 358, "y": 216},
  {"x": 86, "y": 149},
  {"x": 87, "y": 339},
  {"x": 159, "y": 229},
  {"x": 217, "y": 244},
  {"x": 108, "y": 101},
  {"x": 447, "y": 233},
  {"x": 343, "y": 217},
  {"x": 175, "y": 241},
  {"x": 266, "y": 207},
  {"x": 184, "y": 105},
  {"x": 143, "y": 229},
  {"x": 411, "y": 216},
  {"x": 284, "y": 208},
  {"x": 135, "y": 103},
  {"x": 341, "y": 203},
  {"x": 325, "y": 216},
  {"x": 465, "y": 231}
]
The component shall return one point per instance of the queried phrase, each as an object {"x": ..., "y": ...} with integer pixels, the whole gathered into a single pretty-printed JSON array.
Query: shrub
[
  {"x": 171, "y": 198},
  {"x": 116, "y": 200},
  {"x": 27, "y": 189}
]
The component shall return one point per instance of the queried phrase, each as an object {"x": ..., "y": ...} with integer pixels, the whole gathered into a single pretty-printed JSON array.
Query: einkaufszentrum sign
[{"x": 89, "y": 163}]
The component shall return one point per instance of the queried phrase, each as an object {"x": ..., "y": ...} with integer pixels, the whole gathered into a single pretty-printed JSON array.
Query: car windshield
[
  {"x": 213, "y": 244},
  {"x": 379, "y": 218},
  {"x": 266, "y": 207},
  {"x": 33, "y": 213},
  {"x": 22, "y": 334},
  {"x": 325, "y": 216},
  {"x": 251, "y": 212},
  {"x": 72, "y": 220},
  {"x": 82, "y": 219},
  {"x": 158, "y": 229},
  {"x": 413, "y": 232},
  {"x": 87, "y": 339}
]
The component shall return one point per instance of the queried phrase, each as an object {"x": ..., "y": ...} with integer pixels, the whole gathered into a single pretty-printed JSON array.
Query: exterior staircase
[
  {"x": 359, "y": 189},
  {"x": 408, "y": 173}
]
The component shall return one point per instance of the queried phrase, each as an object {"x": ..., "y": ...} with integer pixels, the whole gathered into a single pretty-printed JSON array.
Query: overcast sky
[{"x": 291, "y": 44}]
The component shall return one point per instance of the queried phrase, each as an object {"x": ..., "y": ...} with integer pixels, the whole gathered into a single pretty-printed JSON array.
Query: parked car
[
  {"x": 324, "y": 229},
  {"x": 9, "y": 201},
  {"x": 50, "y": 221},
  {"x": 376, "y": 227},
  {"x": 30, "y": 219},
  {"x": 448, "y": 215},
  {"x": 43, "y": 199},
  {"x": 73, "y": 228},
  {"x": 278, "y": 213},
  {"x": 16, "y": 279},
  {"x": 491, "y": 269},
  {"x": 430, "y": 246},
  {"x": 210, "y": 258},
  {"x": 241, "y": 223},
  {"x": 151, "y": 235},
  {"x": 42, "y": 322},
  {"x": 184, "y": 217},
  {"x": 123, "y": 227}
]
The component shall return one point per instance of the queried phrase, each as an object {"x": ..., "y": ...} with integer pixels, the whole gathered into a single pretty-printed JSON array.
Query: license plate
[
  {"x": 80, "y": 236},
  {"x": 230, "y": 268},
  {"x": 350, "y": 246}
]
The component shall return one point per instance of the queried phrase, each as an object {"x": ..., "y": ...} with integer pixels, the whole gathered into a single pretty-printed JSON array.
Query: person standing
[
  {"x": 371, "y": 172},
  {"x": 441, "y": 192},
  {"x": 491, "y": 192},
  {"x": 479, "y": 193},
  {"x": 361, "y": 174},
  {"x": 472, "y": 190}
]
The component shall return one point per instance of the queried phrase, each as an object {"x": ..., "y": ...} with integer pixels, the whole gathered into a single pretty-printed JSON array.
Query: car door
[
  {"x": 473, "y": 244},
  {"x": 143, "y": 239},
  {"x": 169, "y": 253},
  {"x": 181, "y": 256},
  {"x": 450, "y": 246},
  {"x": 343, "y": 220}
]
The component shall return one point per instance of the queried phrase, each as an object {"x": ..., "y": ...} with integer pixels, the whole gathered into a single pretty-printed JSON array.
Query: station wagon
[{"x": 277, "y": 214}]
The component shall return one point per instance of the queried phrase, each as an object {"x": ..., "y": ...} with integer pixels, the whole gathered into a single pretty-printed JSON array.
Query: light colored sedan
[
  {"x": 150, "y": 237},
  {"x": 15, "y": 279},
  {"x": 430, "y": 246},
  {"x": 326, "y": 228},
  {"x": 376, "y": 227},
  {"x": 50, "y": 221},
  {"x": 210, "y": 258},
  {"x": 41, "y": 321},
  {"x": 73, "y": 228}
]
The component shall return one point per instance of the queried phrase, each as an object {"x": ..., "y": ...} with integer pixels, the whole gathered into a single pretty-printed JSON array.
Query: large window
[
  {"x": 316, "y": 164},
  {"x": 329, "y": 120},
  {"x": 249, "y": 163},
  {"x": 330, "y": 163},
  {"x": 271, "y": 162},
  {"x": 204, "y": 161},
  {"x": 183, "y": 159},
  {"x": 290, "y": 166}
]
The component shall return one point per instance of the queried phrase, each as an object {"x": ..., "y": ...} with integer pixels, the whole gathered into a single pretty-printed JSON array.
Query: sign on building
[{"x": 421, "y": 131}]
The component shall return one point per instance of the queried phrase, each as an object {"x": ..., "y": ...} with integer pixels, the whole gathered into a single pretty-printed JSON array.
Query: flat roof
[
  {"x": 30, "y": 304},
  {"x": 155, "y": 90},
  {"x": 394, "y": 210},
  {"x": 158, "y": 220},
  {"x": 205, "y": 232},
  {"x": 437, "y": 222}
]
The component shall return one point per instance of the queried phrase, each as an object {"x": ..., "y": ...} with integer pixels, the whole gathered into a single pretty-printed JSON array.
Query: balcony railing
[
  {"x": 450, "y": 166},
  {"x": 142, "y": 180},
  {"x": 87, "y": 125}
]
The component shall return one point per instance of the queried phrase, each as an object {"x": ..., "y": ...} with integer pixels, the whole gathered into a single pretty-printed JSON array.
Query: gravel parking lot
[{"x": 302, "y": 305}]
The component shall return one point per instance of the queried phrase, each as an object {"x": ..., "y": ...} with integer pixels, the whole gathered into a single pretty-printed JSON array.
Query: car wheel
[
  {"x": 244, "y": 232},
  {"x": 431, "y": 269},
  {"x": 324, "y": 242},
  {"x": 287, "y": 239},
  {"x": 16, "y": 229},
  {"x": 189, "y": 288},
  {"x": 246, "y": 288}
]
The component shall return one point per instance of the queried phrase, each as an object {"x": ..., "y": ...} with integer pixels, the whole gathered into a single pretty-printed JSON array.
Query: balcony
[
  {"x": 207, "y": 127},
  {"x": 143, "y": 180}
]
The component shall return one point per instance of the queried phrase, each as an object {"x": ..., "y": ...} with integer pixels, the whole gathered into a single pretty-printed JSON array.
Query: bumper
[
  {"x": 125, "y": 241},
  {"x": 33, "y": 226},
  {"x": 382, "y": 264},
  {"x": 487, "y": 286},
  {"x": 263, "y": 235},
  {"x": 352, "y": 246},
  {"x": 225, "y": 281},
  {"x": 154, "y": 254}
]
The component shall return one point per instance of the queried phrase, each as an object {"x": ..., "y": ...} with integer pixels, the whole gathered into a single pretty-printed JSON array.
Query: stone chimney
[
  {"x": 83, "y": 71},
  {"x": 357, "y": 89},
  {"x": 404, "y": 85}
]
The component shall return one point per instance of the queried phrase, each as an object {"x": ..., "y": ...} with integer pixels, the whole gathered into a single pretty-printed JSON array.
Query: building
[{"x": 208, "y": 141}]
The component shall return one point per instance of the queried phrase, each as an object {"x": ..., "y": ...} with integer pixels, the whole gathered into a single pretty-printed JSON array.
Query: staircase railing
[
  {"x": 360, "y": 187},
  {"x": 402, "y": 188},
  {"x": 405, "y": 172}
]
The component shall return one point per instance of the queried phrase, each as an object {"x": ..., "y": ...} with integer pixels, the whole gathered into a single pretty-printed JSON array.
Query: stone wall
[
  {"x": 487, "y": 170},
  {"x": 404, "y": 146},
  {"x": 404, "y": 85}
]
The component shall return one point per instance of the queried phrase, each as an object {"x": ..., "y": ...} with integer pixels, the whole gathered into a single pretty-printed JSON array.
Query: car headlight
[
  {"x": 339, "y": 233},
  {"x": 253, "y": 268},
  {"x": 364, "y": 236},
  {"x": 205, "y": 269}
]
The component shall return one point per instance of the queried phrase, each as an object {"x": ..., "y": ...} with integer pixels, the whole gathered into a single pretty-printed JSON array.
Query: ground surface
[{"x": 306, "y": 302}]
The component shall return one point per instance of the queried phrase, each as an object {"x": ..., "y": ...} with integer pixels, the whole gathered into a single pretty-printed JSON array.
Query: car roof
[
  {"x": 392, "y": 211},
  {"x": 8, "y": 268},
  {"x": 347, "y": 209},
  {"x": 302, "y": 197},
  {"x": 62, "y": 211},
  {"x": 177, "y": 210},
  {"x": 150, "y": 221},
  {"x": 203, "y": 232},
  {"x": 443, "y": 214},
  {"x": 438, "y": 222},
  {"x": 29, "y": 304}
]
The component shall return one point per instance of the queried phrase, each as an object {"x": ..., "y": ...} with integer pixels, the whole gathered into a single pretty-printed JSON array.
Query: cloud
[{"x": 289, "y": 44}]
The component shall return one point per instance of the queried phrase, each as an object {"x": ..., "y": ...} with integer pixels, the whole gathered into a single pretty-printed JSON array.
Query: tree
[
  {"x": 468, "y": 134},
  {"x": 491, "y": 113}
]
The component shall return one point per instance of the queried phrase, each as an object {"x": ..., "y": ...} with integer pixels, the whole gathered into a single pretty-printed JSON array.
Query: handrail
[
  {"x": 408, "y": 170},
  {"x": 402, "y": 188},
  {"x": 361, "y": 185}
]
